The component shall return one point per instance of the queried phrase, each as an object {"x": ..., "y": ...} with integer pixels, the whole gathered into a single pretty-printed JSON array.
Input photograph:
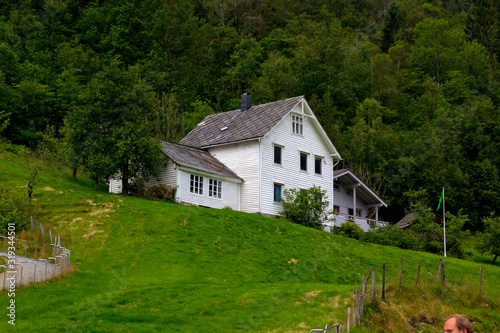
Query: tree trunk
[
  {"x": 30, "y": 192},
  {"x": 74, "y": 173},
  {"x": 96, "y": 184},
  {"x": 494, "y": 259},
  {"x": 125, "y": 185}
]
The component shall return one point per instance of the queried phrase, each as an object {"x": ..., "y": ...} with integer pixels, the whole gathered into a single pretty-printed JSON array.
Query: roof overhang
[
  {"x": 209, "y": 174},
  {"x": 363, "y": 192}
]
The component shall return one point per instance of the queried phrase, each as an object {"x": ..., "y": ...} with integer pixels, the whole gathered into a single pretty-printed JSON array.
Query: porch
[{"x": 365, "y": 223}]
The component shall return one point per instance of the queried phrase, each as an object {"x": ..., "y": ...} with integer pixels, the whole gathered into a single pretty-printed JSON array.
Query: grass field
[{"x": 142, "y": 266}]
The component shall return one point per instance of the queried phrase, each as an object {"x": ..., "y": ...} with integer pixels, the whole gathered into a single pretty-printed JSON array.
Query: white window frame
[
  {"x": 281, "y": 192},
  {"x": 297, "y": 124},
  {"x": 300, "y": 161},
  {"x": 320, "y": 165},
  {"x": 196, "y": 184},
  {"x": 281, "y": 154},
  {"x": 214, "y": 188}
]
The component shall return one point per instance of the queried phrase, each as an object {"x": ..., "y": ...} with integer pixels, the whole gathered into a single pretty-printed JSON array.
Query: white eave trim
[
  {"x": 231, "y": 143},
  {"x": 334, "y": 153},
  {"x": 211, "y": 175},
  {"x": 360, "y": 183}
]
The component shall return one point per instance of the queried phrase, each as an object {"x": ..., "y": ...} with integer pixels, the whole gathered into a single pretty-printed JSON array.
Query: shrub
[
  {"x": 13, "y": 209},
  {"x": 140, "y": 188},
  {"x": 305, "y": 206},
  {"x": 349, "y": 229},
  {"x": 488, "y": 241},
  {"x": 392, "y": 236}
]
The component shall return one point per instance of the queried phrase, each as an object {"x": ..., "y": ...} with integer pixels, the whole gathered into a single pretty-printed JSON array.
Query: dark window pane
[
  {"x": 317, "y": 165},
  {"x": 303, "y": 161},
  {"x": 277, "y": 154},
  {"x": 277, "y": 192}
]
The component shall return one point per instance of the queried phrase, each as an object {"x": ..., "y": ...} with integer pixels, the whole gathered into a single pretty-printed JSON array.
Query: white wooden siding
[
  {"x": 289, "y": 173},
  {"x": 228, "y": 198},
  {"x": 345, "y": 201},
  {"x": 243, "y": 159},
  {"x": 115, "y": 186},
  {"x": 167, "y": 176}
]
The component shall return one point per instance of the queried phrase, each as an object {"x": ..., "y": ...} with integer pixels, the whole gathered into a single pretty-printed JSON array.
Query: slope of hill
[{"x": 147, "y": 266}]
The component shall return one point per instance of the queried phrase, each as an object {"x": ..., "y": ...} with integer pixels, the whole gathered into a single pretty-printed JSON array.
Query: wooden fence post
[
  {"x": 373, "y": 287},
  {"x": 354, "y": 309},
  {"x": 443, "y": 277},
  {"x": 439, "y": 270},
  {"x": 383, "y": 281},
  {"x": 401, "y": 273},
  {"x": 349, "y": 320},
  {"x": 418, "y": 273},
  {"x": 481, "y": 281}
]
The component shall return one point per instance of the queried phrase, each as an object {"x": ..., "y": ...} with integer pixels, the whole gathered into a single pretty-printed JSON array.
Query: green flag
[{"x": 440, "y": 199}]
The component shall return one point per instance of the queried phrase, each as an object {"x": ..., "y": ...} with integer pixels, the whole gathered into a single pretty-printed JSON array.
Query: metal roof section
[
  {"x": 197, "y": 159},
  {"x": 363, "y": 192}
]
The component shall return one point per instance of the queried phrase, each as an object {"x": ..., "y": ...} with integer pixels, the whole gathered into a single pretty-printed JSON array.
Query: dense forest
[{"x": 408, "y": 90}]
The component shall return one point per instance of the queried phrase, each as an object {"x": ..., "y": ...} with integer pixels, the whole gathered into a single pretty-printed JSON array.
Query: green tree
[
  {"x": 455, "y": 233},
  {"x": 488, "y": 242},
  {"x": 107, "y": 132},
  {"x": 391, "y": 27},
  {"x": 307, "y": 207},
  {"x": 13, "y": 209}
]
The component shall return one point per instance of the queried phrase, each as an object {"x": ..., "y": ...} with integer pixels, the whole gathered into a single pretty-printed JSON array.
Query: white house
[{"x": 245, "y": 158}]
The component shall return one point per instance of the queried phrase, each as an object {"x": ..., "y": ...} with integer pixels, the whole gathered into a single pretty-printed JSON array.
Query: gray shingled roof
[
  {"x": 405, "y": 221},
  {"x": 196, "y": 159},
  {"x": 235, "y": 126}
]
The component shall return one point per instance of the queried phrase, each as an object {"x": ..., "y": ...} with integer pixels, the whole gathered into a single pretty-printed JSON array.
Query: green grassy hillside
[{"x": 142, "y": 266}]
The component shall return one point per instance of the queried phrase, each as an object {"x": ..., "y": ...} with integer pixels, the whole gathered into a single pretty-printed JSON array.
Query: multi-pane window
[
  {"x": 336, "y": 185},
  {"x": 297, "y": 125},
  {"x": 277, "y": 154},
  {"x": 277, "y": 192},
  {"x": 214, "y": 188},
  {"x": 317, "y": 165},
  {"x": 196, "y": 184},
  {"x": 303, "y": 161}
]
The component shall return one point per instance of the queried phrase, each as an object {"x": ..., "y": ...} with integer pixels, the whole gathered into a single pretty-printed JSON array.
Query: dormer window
[{"x": 297, "y": 125}]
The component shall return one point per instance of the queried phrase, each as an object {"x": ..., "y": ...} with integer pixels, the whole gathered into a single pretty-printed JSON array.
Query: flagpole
[{"x": 444, "y": 224}]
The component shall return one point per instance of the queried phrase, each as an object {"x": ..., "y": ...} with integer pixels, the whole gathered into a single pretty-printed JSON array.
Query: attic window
[
  {"x": 297, "y": 125},
  {"x": 223, "y": 128}
]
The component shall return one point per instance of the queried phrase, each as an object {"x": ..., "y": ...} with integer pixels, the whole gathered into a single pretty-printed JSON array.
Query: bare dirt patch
[
  {"x": 312, "y": 294},
  {"x": 332, "y": 301},
  {"x": 91, "y": 230},
  {"x": 48, "y": 188},
  {"x": 102, "y": 211},
  {"x": 293, "y": 260}
]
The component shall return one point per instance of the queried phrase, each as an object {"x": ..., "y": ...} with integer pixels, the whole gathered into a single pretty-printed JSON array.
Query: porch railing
[{"x": 365, "y": 223}]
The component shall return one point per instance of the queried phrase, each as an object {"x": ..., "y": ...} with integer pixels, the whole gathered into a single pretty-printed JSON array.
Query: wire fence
[
  {"x": 399, "y": 273},
  {"x": 31, "y": 261}
]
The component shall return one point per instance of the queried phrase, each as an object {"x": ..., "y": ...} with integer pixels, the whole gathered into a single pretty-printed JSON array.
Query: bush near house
[
  {"x": 140, "y": 188},
  {"x": 349, "y": 229},
  {"x": 307, "y": 207}
]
